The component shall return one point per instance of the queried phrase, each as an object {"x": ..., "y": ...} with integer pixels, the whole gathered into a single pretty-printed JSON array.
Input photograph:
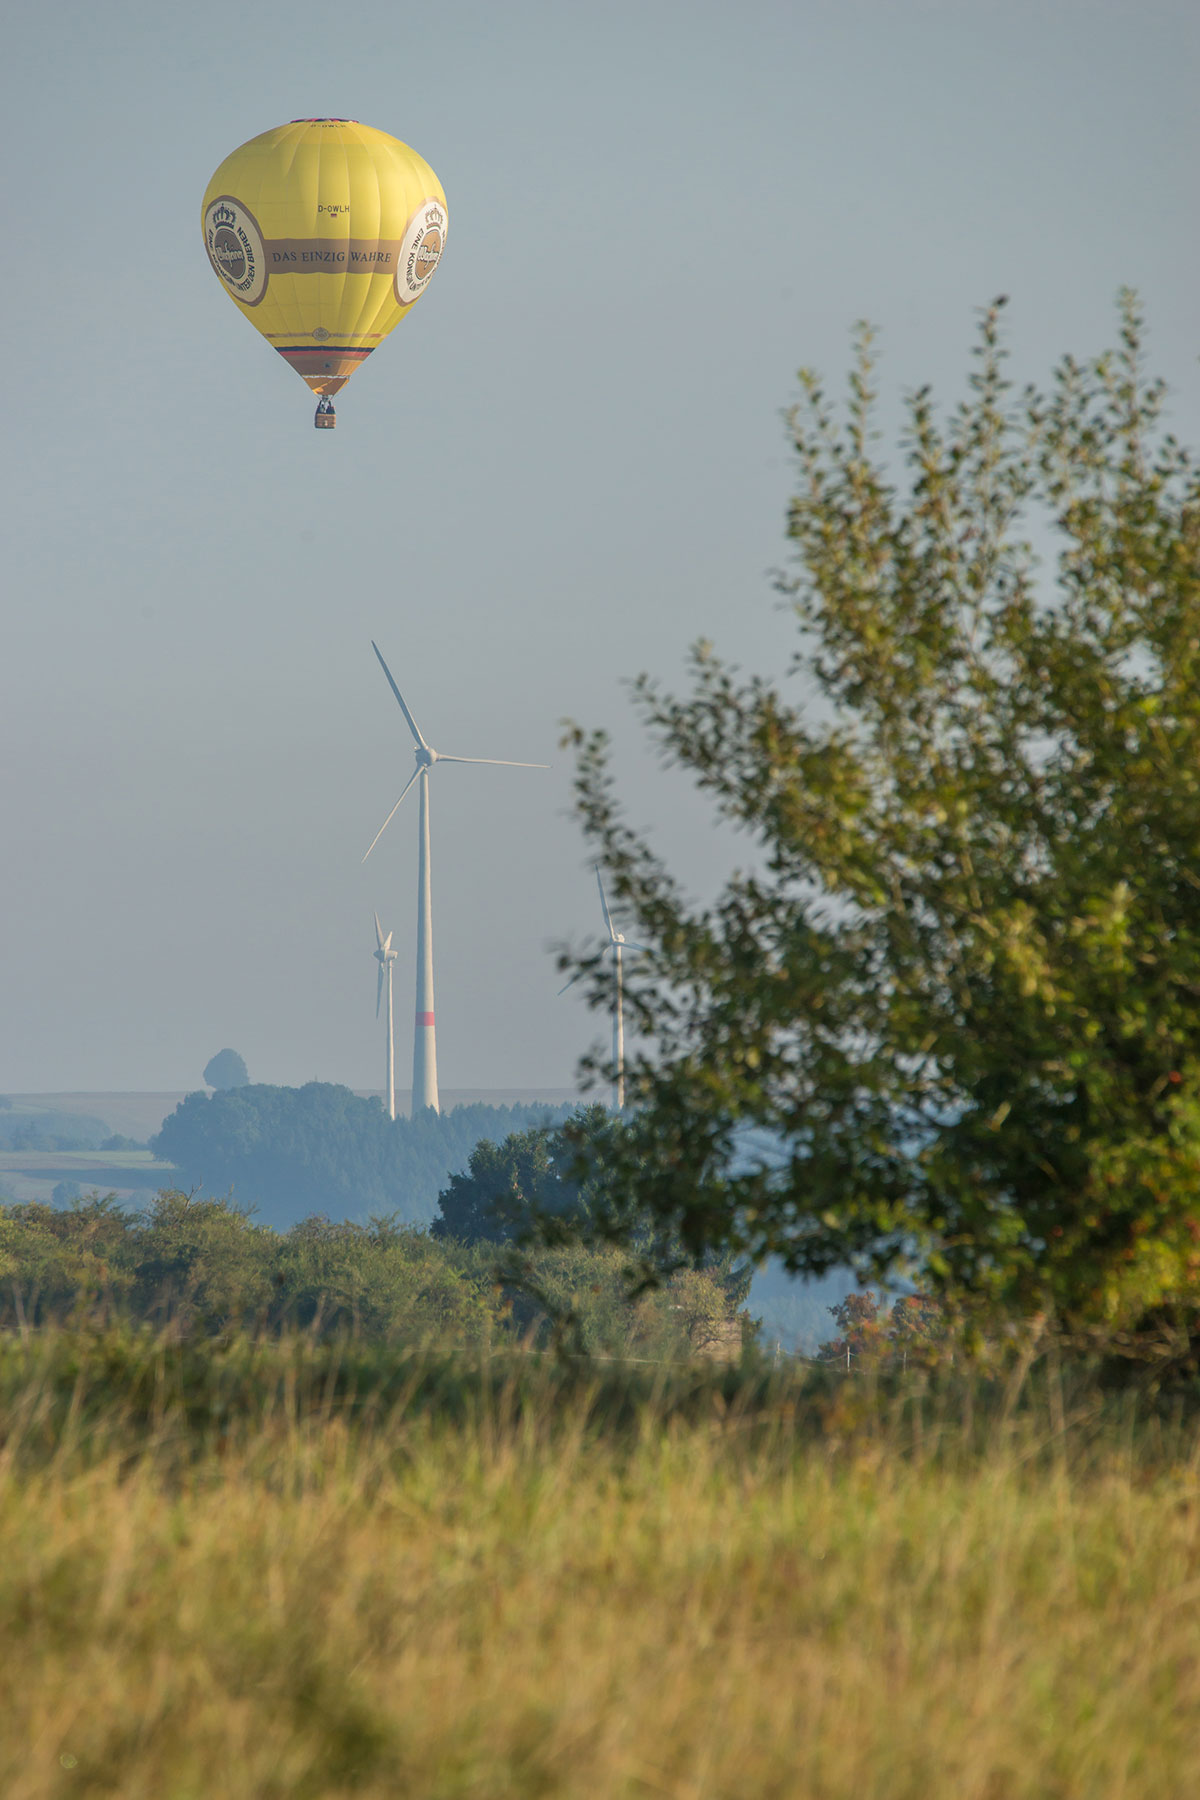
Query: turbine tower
[
  {"x": 616, "y": 946},
  {"x": 424, "y": 1086},
  {"x": 385, "y": 956}
]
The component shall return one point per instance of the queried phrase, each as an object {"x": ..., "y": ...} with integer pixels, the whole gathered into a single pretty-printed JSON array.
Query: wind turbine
[
  {"x": 385, "y": 956},
  {"x": 424, "y": 1087},
  {"x": 617, "y": 945}
]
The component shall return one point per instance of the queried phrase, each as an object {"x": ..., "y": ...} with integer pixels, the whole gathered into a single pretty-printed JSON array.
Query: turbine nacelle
[
  {"x": 385, "y": 943},
  {"x": 426, "y": 755},
  {"x": 616, "y": 939},
  {"x": 385, "y": 956}
]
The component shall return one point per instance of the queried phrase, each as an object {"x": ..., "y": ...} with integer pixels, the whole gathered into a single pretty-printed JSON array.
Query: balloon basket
[{"x": 325, "y": 418}]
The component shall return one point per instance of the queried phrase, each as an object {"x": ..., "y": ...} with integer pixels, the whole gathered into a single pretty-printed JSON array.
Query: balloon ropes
[{"x": 324, "y": 234}]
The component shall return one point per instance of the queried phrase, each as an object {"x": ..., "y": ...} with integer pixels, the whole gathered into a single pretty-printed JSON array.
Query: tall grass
[{"x": 293, "y": 1571}]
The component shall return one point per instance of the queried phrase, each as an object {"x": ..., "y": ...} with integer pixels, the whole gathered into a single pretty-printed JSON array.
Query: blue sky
[{"x": 565, "y": 467}]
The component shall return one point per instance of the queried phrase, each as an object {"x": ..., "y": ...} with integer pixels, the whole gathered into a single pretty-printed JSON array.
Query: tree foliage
[
  {"x": 46, "y": 1128},
  {"x": 205, "y": 1265},
  {"x": 960, "y": 980},
  {"x": 548, "y": 1181},
  {"x": 321, "y": 1148},
  {"x": 226, "y": 1070},
  {"x": 503, "y": 1186},
  {"x": 917, "y": 1328},
  {"x": 200, "y": 1265},
  {"x": 554, "y": 1195}
]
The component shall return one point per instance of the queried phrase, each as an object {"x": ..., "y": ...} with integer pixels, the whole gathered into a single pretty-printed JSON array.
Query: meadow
[{"x": 287, "y": 1568}]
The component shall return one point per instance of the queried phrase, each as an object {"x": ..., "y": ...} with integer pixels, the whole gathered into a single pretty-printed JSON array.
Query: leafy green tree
[
  {"x": 499, "y": 1189},
  {"x": 577, "y": 1266},
  {"x": 692, "y": 1315},
  {"x": 960, "y": 980},
  {"x": 56, "y": 1262},
  {"x": 203, "y": 1265},
  {"x": 920, "y": 1323},
  {"x": 200, "y": 1261},
  {"x": 586, "y": 1298},
  {"x": 862, "y": 1337},
  {"x": 226, "y": 1070},
  {"x": 540, "y": 1178},
  {"x": 570, "y": 1295},
  {"x": 918, "y": 1327},
  {"x": 385, "y": 1280}
]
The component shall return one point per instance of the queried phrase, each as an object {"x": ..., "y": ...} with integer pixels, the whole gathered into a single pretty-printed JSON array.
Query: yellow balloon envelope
[{"x": 325, "y": 234}]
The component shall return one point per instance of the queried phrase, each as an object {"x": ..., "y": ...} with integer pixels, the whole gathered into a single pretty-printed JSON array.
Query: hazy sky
[{"x": 566, "y": 466}]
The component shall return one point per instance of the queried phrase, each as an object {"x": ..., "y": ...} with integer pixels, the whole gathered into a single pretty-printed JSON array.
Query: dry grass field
[{"x": 287, "y": 1572}]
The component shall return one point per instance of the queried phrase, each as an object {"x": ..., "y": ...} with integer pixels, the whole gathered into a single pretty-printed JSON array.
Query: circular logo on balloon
[
  {"x": 420, "y": 251},
  {"x": 235, "y": 248}
]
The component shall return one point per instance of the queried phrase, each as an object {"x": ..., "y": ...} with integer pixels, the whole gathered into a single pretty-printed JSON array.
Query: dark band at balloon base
[{"x": 325, "y": 369}]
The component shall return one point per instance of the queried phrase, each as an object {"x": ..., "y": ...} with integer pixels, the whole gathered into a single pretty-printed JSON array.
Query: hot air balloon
[{"x": 325, "y": 234}]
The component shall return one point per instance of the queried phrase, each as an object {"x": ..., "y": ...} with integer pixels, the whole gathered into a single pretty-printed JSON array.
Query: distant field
[
  {"x": 45, "y": 1159},
  {"x": 126, "y": 1115},
  {"x": 273, "y": 1573},
  {"x": 32, "y": 1175},
  {"x": 117, "y": 1168}
]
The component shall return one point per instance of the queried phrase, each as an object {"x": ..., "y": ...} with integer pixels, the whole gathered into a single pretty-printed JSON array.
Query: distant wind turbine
[
  {"x": 385, "y": 956},
  {"x": 617, "y": 944},
  {"x": 425, "y": 1087}
]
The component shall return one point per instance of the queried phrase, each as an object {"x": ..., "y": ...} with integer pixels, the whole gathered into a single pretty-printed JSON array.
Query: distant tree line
[
  {"x": 307, "y": 1208},
  {"x": 47, "y": 1128},
  {"x": 291, "y": 1152}
]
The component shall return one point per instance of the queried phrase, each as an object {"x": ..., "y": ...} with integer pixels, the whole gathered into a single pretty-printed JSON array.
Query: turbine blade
[
  {"x": 412, "y": 723},
  {"x": 612, "y": 936},
  {"x": 605, "y": 950},
  {"x": 643, "y": 948},
  {"x": 499, "y": 762},
  {"x": 379, "y": 990},
  {"x": 379, "y": 933},
  {"x": 391, "y": 815}
]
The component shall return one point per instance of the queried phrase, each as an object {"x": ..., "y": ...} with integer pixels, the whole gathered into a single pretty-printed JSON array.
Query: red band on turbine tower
[{"x": 424, "y": 1018}]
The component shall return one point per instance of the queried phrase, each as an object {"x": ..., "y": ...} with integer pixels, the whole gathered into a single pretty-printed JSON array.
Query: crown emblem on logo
[
  {"x": 224, "y": 215},
  {"x": 434, "y": 215}
]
